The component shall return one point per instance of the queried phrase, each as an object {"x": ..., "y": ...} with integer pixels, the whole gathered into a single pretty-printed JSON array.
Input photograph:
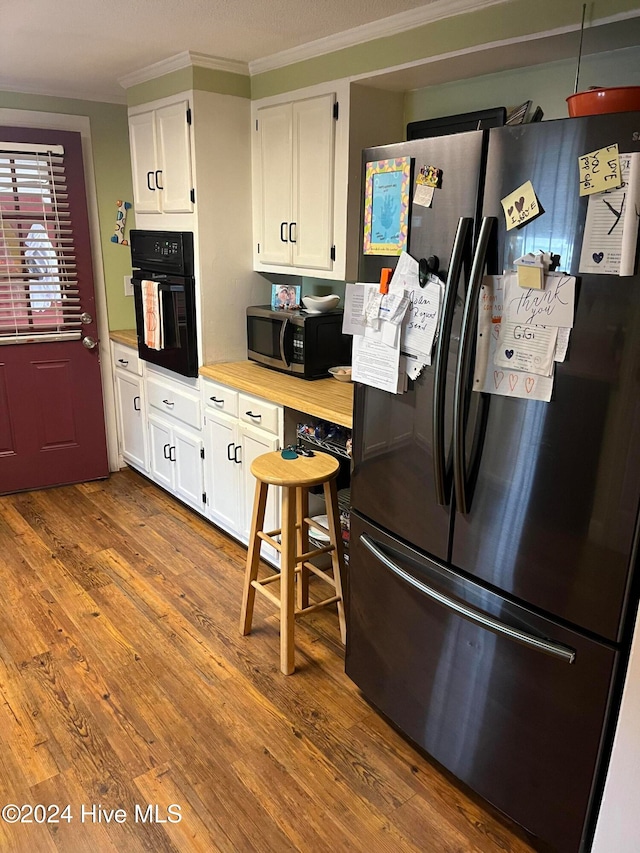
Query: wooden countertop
[
  {"x": 128, "y": 337},
  {"x": 322, "y": 398}
]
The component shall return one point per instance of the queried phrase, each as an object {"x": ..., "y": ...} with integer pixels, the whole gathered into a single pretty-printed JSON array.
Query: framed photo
[
  {"x": 285, "y": 296},
  {"x": 386, "y": 206}
]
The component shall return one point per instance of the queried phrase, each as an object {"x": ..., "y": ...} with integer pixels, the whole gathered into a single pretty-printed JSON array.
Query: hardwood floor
[{"x": 124, "y": 682}]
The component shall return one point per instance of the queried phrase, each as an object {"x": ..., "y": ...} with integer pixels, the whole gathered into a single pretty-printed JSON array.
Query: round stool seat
[{"x": 271, "y": 468}]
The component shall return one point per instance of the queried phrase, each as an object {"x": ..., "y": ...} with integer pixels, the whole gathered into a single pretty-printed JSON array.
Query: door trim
[{"x": 82, "y": 125}]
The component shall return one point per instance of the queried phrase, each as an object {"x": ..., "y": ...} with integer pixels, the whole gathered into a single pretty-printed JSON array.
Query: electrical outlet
[{"x": 128, "y": 287}]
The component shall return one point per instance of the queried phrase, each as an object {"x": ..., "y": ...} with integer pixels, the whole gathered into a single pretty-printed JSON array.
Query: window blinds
[{"x": 39, "y": 294}]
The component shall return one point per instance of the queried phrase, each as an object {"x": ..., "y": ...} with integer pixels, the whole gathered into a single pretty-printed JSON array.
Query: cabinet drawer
[
  {"x": 174, "y": 402},
  {"x": 220, "y": 398},
  {"x": 259, "y": 412},
  {"x": 126, "y": 358}
]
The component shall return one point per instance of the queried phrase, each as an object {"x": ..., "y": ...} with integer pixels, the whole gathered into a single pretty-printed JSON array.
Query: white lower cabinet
[
  {"x": 130, "y": 407},
  {"x": 231, "y": 445},
  {"x": 175, "y": 438},
  {"x": 176, "y": 461}
]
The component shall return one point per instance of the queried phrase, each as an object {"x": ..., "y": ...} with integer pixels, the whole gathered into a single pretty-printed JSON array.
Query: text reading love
[{"x": 521, "y": 206}]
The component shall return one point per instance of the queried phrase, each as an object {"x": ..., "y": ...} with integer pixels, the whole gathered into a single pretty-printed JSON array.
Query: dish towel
[{"x": 152, "y": 315}]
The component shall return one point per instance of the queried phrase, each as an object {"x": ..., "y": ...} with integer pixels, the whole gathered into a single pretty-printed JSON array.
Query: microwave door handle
[{"x": 283, "y": 330}]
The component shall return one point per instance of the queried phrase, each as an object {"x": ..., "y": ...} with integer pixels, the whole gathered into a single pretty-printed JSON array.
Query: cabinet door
[
  {"x": 253, "y": 443},
  {"x": 275, "y": 183},
  {"x": 222, "y": 471},
  {"x": 188, "y": 465},
  {"x": 143, "y": 143},
  {"x": 174, "y": 158},
  {"x": 313, "y": 179},
  {"x": 131, "y": 424},
  {"x": 160, "y": 453}
]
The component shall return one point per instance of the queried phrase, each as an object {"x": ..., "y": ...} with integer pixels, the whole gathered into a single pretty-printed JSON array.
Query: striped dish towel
[{"x": 152, "y": 315}]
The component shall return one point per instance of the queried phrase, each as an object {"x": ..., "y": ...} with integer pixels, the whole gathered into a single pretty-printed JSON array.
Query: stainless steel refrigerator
[{"x": 494, "y": 541}]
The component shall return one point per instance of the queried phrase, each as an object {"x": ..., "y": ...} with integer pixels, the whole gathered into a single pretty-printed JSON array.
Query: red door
[{"x": 52, "y": 428}]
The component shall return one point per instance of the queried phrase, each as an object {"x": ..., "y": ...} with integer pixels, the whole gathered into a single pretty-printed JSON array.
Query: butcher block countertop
[
  {"x": 127, "y": 337},
  {"x": 322, "y": 398}
]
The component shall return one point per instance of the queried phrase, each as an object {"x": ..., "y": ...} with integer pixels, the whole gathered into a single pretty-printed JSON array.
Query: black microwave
[{"x": 297, "y": 342}]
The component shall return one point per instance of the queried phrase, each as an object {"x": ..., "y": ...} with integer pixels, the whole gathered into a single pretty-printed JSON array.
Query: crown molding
[
  {"x": 186, "y": 59},
  {"x": 436, "y": 10},
  {"x": 62, "y": 92}
]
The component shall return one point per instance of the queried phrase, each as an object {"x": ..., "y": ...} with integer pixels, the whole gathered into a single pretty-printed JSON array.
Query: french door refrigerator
[{"x": 494, "y": 540}]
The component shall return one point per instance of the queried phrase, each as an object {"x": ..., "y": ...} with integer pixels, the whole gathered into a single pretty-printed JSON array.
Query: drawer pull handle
[
  {"x": 172, "y": 453},
  {"x": 166, "y": 451},
  {"x": 124, "y": 361},
  {"x": 136, "y": 405},
  {"x": 217, "y": 401},
  {"x": 169, "y": 403},
  {"x": 153, "y": 189},
  {"x": 230, "y": 456},
  {"x": 235, "y": 455},
  {"x": 255, "y": 417}
]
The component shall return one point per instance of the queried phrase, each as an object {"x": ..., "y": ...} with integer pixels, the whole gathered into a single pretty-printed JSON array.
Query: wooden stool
[{"x": 295, "y": 476}]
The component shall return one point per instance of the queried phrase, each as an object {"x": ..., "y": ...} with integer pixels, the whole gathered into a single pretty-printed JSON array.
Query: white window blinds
[{"x": 39, "y": 295}]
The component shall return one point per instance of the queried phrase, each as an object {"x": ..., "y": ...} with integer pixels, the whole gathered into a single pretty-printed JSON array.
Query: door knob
[{"x": 89, "y": 343}]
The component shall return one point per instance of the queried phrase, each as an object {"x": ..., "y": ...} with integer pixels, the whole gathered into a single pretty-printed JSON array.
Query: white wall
[{"x": 618, "y": 827}]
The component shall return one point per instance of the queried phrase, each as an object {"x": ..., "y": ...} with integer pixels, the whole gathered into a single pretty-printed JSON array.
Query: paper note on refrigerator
[
  {"x": 599, "y": 170},
  {"x": 421, "y": 320},
  {"x": 528, "y": 348},
  {"x": 611, "y": 226},
  {"x": 553, "y": 306},
  {"x": 356, "y": 297},
  {"x": 489, "y": 377},
  {"x": 377, "y": 364}
]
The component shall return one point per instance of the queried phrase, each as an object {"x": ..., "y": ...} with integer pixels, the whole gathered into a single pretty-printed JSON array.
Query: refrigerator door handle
[
  {"x": 557, "y": 650},
  {"x": 464, "y": 362},
  {"x": 459, "y": 253}
]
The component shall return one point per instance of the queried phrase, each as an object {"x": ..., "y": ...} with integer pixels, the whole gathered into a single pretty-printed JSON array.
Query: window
[{"x": 39, "y": 297}]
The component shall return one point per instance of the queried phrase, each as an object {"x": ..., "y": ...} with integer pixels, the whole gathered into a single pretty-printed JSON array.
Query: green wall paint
[
  {"x": 546, "y": 85},
  {"x": 512, "y": 19},
  {"x": 184, "y": 79},
  {"x": 112, "y": 169}
]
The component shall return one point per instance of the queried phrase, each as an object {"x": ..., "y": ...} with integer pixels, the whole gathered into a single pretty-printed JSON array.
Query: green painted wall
[
  {"x": 195, "y": 77},
  {"x": 546, "y": 85},
  {"x": 112, "y": 168},
  {"x": 503, "y": 21}
]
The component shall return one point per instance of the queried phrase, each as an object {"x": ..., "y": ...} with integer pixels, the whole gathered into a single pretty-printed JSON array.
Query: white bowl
[
  {"x": 320, "y": 304},
  {"x": 342, "y": 374}
]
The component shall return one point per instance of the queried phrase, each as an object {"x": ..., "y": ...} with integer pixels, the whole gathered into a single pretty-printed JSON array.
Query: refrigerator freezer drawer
[{"x": 492, "y": 695}]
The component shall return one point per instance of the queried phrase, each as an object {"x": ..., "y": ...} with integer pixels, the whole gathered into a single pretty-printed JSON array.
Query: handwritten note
[
  {"x": 599, "y": 170},
  {"x": 528, "y": 348},
  {"x": 490, "y": 377},
  {"x": 553, "y": 306},
  {"x": 611, "y": 225},
  {"x": 521, "y": 206}
]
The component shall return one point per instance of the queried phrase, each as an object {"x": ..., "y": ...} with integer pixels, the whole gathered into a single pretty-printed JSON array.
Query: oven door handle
[
  {"x": 283, "y": 330},
  {"x": 557, "y": 650}
]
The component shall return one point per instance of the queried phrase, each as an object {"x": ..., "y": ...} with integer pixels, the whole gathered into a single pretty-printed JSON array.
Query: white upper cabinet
[
  {"x": 306, "y": 156},
  {"x": 296, "y": 175},
  {"x": 160, "y": 143}
]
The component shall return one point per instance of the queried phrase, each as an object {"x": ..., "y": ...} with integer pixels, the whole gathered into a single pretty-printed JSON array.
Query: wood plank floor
[{"x": 124, "y": 682}]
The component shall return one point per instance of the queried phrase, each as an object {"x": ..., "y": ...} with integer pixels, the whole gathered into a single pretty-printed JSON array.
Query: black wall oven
[{"x": 166, "y": 259}]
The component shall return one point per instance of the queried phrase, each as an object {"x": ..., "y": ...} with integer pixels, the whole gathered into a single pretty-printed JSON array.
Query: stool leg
[
  {"x": 337, "y": 559},
  {"x": 287, "y": 580},
  {"x": 302, "y": 512},
  {"x": 253, "y": 557}
]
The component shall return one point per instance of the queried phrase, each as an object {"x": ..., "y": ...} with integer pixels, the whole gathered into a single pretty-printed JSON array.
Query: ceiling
[{"x": 81, "y": 48}]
